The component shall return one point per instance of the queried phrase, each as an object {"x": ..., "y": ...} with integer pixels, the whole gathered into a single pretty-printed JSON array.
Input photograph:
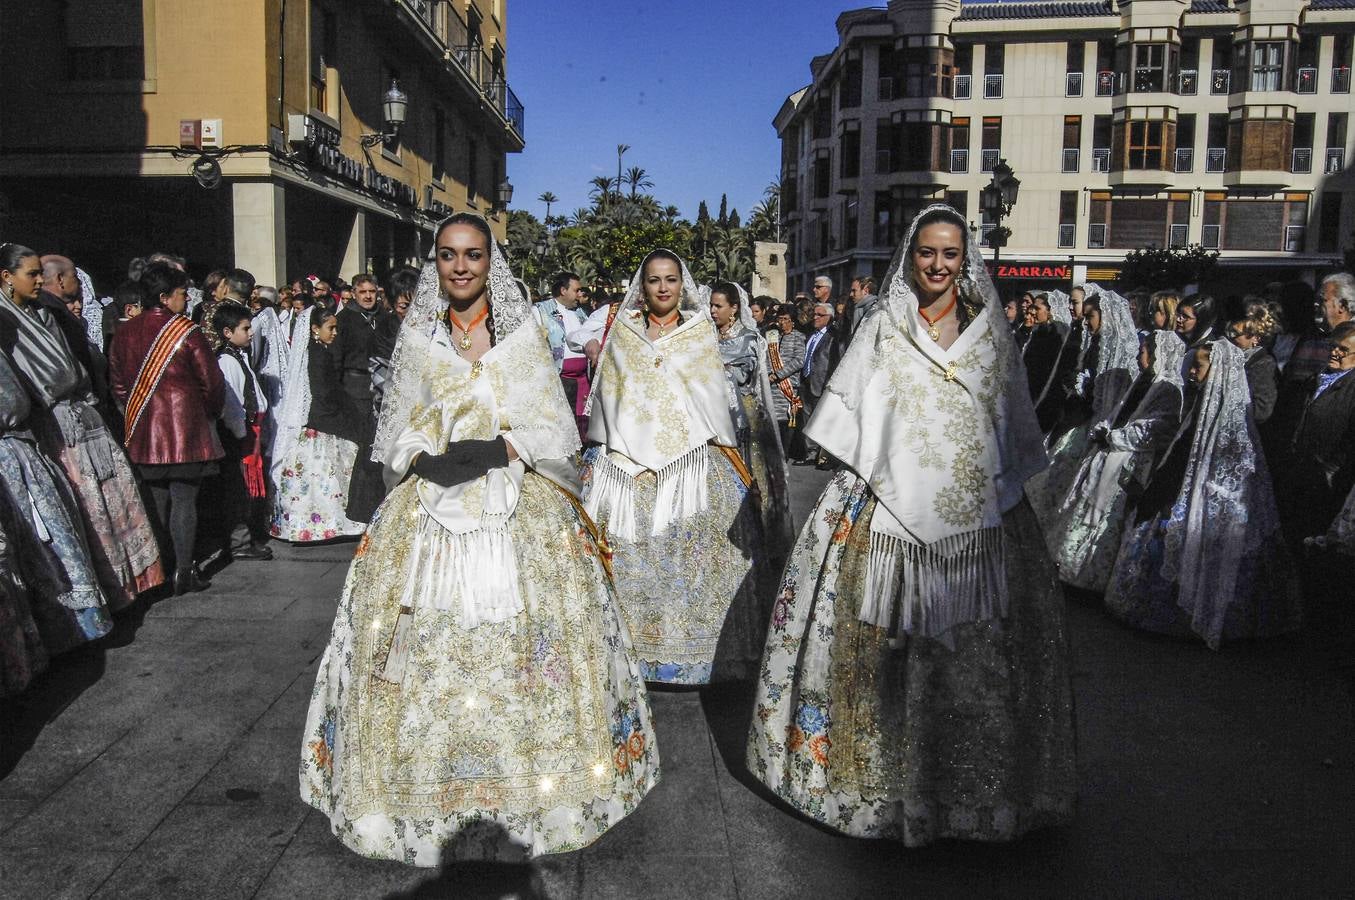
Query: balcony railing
[
  {"x": 1067, "y": 236},
  {"x": 1336, "y": 160},
  {"x": 1215, "y": 159},
  {"x": 959, "y": 160},
  {"x": 1340, "y": 80},
  {"x": 988, "y": 160},
  {"x": 1177, "y": 236},
  {"x": 1070, "y": 159},
  {"x": 1185, "y": 159},
  {"x": 1306, "y": 82},
  {"x": 1188, "y": 82},
  {"x": 992, "y": 87},
  {"x": 1100, "y": 159},
  {"x": 1105, "y": 83},
  {"x": 985, "y": 231},
  {"x": 1096, "y": 237},
  {"x": 1293, "y": 238},
  {"x": 1209, "y": 236},
  {"x": 1072, "y": 84},
  {"x": 514, "y": 111},
  {"x": 1302, "y": 162},
  {"x": 961, "y": 87},
  {"x": 1219, "y": 81}
]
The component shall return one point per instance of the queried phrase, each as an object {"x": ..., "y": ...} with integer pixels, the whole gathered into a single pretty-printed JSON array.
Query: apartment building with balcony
[
  {"x": 1130, "y": 124},
  {"x": 120, "y": 110}
]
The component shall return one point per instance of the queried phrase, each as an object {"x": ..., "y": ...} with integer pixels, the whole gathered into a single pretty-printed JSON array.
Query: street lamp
[
  {"x": 998, "y": 198},
  {"x": 394, "y": 108},
  {"x": 505, "y": 194}
]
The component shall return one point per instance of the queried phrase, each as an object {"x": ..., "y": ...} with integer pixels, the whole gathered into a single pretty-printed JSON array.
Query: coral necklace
[
  {"x": 934, "y": 330},
  {"x": 464, "y": 342},
  {"x": 664, "y": 326}
]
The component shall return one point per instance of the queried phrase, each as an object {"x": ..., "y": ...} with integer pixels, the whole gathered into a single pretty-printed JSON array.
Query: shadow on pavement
[
  {"x": 512, "y": 873},
  {"x": 23, "y": 718}
]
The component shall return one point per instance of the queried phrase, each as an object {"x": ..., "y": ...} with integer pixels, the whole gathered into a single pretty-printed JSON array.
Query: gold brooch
[
  {"x": 951, "y": 372},
  {"x": 476, "y": 368},
  {"x": 658, "y": 361}
]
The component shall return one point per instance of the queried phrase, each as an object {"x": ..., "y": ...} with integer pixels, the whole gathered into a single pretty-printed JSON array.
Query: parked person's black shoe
[
  {"x": 188, "y": 581},
  {"x": 252, "y": 551}
]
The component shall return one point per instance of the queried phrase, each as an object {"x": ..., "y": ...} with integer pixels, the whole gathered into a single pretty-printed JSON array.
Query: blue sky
[{"x": 691, "y": 86}]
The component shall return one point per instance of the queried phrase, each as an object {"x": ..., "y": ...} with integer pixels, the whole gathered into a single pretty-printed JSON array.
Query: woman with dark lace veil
[
  {"x": 668, "y": 483},
  {"x": 915, "y": 680},
  {"x": 744, "y": 352},
  {"x": 1087, "y": 521},
  {"x": 1203, "y": 554},
  {"x": 479, "y": 670}
]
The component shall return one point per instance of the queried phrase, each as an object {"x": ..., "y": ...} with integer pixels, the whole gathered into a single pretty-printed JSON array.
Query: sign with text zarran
[{"x": 1059, "y": 271}]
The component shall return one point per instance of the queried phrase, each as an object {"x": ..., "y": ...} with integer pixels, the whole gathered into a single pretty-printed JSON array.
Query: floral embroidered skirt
[
  {"x": 52, "y": 557},
  {"x": 121, "y": 539},
  {"x": 1266, "y": 601},
  {"x": 697, "y": 596},
  {"x": 917, "y": 741},
  {"x": 1084, "y": 535},
  {"x": 312, "y": 492},
  {"x": 535, "y": 731}
]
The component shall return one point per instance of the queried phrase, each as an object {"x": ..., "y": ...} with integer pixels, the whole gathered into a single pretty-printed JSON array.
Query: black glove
[{"x": 462, "y": 461}]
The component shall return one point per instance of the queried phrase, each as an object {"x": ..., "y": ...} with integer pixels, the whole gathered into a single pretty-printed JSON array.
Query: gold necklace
[
  {"x": 465, "y": 341},
  {"x": 664, "y": 326},
  {"x": 934, "y": 329}
]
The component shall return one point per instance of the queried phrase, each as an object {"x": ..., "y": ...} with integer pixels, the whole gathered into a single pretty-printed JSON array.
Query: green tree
[
  {"x": 1159, "y": 268},
  {"x": 638, "y": 179},
  {"x": 548, "y": 198}
]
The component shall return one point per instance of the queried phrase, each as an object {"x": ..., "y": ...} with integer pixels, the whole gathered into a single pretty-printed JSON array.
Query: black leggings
[{"x": 176, "y": 506}]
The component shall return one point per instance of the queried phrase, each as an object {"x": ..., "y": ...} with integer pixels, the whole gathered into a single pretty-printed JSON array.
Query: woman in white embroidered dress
[
  {"x": 669, "y": 486},
  {"x": 479, "y": 669},
  {"x": 915, "y": 680}
]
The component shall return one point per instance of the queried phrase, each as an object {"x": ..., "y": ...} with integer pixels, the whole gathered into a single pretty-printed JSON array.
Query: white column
[
  {"x": 261, "y": 230},
  {"x": 355, "y": 254}
]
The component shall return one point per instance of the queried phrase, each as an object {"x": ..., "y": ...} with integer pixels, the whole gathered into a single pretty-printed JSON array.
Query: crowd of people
[{"x": 560, "y": 502}]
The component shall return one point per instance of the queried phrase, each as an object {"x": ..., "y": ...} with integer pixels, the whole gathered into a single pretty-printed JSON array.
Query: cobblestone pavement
[{"x": 163, "y": 764}]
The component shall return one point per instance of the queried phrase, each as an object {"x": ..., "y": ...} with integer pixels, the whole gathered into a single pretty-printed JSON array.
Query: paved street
[{"x": 164, "y": 765}]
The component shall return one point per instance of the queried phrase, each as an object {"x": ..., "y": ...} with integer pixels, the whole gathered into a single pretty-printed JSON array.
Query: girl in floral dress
[
  {"x": 319, "y": 430},
  {"x": 915, "y": 682},
  {"x": 479, "y": 688}
]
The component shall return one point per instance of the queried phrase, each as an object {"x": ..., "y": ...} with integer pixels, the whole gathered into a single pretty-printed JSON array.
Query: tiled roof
[
  {"x": 1041, "y": 9},
  {"x": 1209, "y": 6},
  {"x": 1332, "y": 4}
]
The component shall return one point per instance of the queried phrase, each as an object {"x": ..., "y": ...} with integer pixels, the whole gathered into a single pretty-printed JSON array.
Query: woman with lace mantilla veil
[
  {"x": 479, "y": 670},
  {"x": 668, "y": 484},
  {"x": 915, "y": 680},
  {"x": 744, "y": 353}
]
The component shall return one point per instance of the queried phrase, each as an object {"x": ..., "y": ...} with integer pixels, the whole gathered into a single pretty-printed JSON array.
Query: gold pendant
[
  {"x": 951, "y": 372},
  {"x": 934, "y": 333},
  {"x": 476, "y": 368},
  {"x": 465, "y": 341}
]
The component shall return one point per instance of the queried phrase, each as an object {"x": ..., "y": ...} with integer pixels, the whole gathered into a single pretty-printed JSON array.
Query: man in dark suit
[
  {"x": 1323, "y": 458},
  {"x": 820, "y": 358},
  {"x": 352, "y": 349}
]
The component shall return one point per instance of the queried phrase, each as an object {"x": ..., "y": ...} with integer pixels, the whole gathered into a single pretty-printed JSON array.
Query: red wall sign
[{"x": 1034, "y": 270}]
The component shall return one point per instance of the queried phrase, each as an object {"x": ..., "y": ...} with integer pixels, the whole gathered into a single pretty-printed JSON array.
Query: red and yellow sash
[{"x": 153, "y": 367}]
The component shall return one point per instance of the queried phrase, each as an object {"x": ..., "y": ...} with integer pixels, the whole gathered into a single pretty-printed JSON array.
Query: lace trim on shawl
[{"x": 682, "y": 492}]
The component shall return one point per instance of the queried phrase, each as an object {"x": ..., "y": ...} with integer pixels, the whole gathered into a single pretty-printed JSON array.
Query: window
[
  {"x": 823, "y": 176},
  {"x": 105, "y": 40},
  {"x": 1072, "y": 86},
  {"x": 1188, "y": 80},
  {"x": 1072, "y": 142},
  {"x": 992, "y": 143},
  {"x": 1216, "y": 144},
  {"x": 884, "y": 220},
  {"x": 1150, "y": 67},
  {"x": 959, "y": 144},
  {"x": 851, "y": 150},
  {"x": 851, "y": 213},
  {"x": 964, "y": 67},
  {"x": 1305, "y": 76},
  {"x": 885, "y": 156},
  {"x": 1336, "y": 143},
  {"x": 1145, "y": 144},
  {"x": 1102, "y": 131},
  {"x": 1185, "y": 142},
  {"x": 823, "y": 117},
  {"x": 1105, "y": 67},
  {"x": 1067, "y": 219},
  {"x": 472, "y": 170},
  {"x": 958, "y": 201},
  {"x": 849, "y": 92},
  {"x": 1220, "y": 78},
  {"x": 1340, "y": 63},
  {"x": 888, "y": 64},
  {"x": 994, "y": 59},
  {"x": 324, "y": 57},
  {"x": 1267, "y": 64},
  {"x": 439, "y": 144},
  {"x": 1329, "y": 222},
  {"x": 1305, "y": 129}
]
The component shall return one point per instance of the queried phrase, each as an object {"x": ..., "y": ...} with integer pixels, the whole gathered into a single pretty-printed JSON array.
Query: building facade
[
  {"x": 1130, "y": 124},
  {"x": 252, "y": 132}
]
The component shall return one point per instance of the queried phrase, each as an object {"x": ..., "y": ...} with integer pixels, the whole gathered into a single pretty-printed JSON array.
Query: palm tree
[
  {"x": 548, "y": 198},
  {"x": 671, "y": 213},
  {"x": 601, "y": 189},
  {"x": 638, "y": 179},
  {"x": 620, "y": 151}
]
